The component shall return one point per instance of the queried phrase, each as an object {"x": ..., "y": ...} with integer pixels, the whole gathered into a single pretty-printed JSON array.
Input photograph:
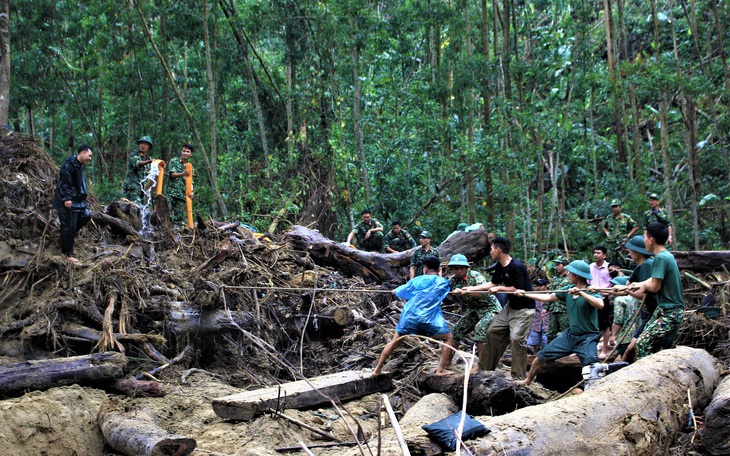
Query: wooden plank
[{"x": 342, "y": 385}]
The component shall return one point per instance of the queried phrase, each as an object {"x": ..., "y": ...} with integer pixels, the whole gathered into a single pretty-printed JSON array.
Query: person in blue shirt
[{"x": 422, "y": 314}]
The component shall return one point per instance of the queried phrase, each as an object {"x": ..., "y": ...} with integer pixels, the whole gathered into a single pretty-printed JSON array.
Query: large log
[
  {"x": 716, "y": 434},
  {"x": 636, "y": 410},
  {"x": 703, "y": 260},
  {"x": 44, "y": 374},
  {"x": 186, "y": 319},
  {"x": 379, "y": 267},
  {"x": 138, "y": 434}
]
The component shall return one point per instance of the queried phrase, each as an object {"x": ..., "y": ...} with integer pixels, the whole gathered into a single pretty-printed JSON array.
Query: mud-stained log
[
  {"x": 186, "y": 319},
  {"x": 716, "y": 434},
  {"x": 379, "y": 267},
  {"x": 132, "y": 387},
  {"x": 489, "y": 392},
  {"x": 138, "y": 434},
  {"x": 118, "y": 226},
  {"x": 636, "y": 410},
  {"x": 44, "y": 374}
]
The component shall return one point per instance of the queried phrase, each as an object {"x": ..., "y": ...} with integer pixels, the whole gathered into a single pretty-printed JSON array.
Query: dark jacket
[{"x": 71, "y": 185}]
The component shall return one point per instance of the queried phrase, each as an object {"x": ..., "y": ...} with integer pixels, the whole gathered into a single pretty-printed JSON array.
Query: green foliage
[{"x": 86, "y": 72}]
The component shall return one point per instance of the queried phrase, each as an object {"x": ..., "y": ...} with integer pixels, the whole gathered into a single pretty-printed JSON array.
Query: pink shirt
[{"x": 601, "y": 277}]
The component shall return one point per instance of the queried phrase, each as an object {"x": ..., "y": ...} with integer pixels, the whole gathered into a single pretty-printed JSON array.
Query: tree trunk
[
  {"x": 357, "y": 95},
  {"x": 137, "y": 434},
  {"x": 4, "y": 61},
  {"x": 716, "y": 434},
  {"x": 377, "y": 267},
  {"x": 631, "y": 411},
  {"x": 44, "y": 374}
]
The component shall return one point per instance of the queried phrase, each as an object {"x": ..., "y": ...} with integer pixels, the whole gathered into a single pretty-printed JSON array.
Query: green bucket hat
[
  {"x": 620, "y": 280},
  {"x": 425, "y": 234},
  {"x": 580, "y": 268},
  {"x": 458, "y": 260},
  {"x": 146, "y": 139},
  {"x": 615, "y": 202},
  {"x": 654, "y": 196},
  {"x": 636, "y": 244}
]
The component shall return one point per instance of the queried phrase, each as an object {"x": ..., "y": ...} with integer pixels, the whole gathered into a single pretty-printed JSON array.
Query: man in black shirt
[{"x": 512, "y": 325}]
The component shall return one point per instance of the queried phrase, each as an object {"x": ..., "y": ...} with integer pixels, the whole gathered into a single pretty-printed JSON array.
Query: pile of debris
[{"x": 209, "y": 312}]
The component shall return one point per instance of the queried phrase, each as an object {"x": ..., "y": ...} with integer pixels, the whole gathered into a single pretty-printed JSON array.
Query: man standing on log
[
  {"x": 658, "y": 214},
  {"x": 422, "y": 314},
  {"x": 398, "y": 239},
  {"x": 175, "y": 188},
  {"x": 662, "y": 329},
  {"x": 420, "y": 254},
  {"x": 70, "y": 199},
  {"x": 618, "y": 228},
  {"x": 558, "y": 313},
  {"x": 138, "y": 166},
  {"x": 512, "y": 325},
  {"x": 481, "y": 308},
  {"x": 582, "y": 336},
  {"x": 369, "y": 233}
]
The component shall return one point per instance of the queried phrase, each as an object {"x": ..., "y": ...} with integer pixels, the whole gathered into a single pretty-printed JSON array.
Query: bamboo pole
[{"x": 396, "y": 427}]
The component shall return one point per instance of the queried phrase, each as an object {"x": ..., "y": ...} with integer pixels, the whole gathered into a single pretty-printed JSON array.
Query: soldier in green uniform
[
  {"x": 175, "y": 185},
  {"x": 398, "y": 239},
  {"x": 558, "y": 312},
  {"x": 421, "y": 253},
  {"x": 618, "y": 228},
  {"x": 658, "y": 214},
  {"x": 138, "y": 166},
  {"x": 478, "y": 306},
  {"x": 662, "y": 329},
  {"x": 369, "y": 233}
]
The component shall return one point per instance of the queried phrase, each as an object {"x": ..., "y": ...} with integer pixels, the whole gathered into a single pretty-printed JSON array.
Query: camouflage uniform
[
  {"x": 419, "y": 255},
  {"x": 136, "y": 175},
  {"x": 618, "y": 229},
  {"x": 558, "y": 312},
  {"x": 175, "y": 191},
  {"x": 660, "y": 215},
  {"x": 624, "y": 309},
  {"x": 477, "y": 309},
  {"x": 372, "y": 244},
  {"x": 660, "y": 332},
  {"x": 401, "y": 242}
]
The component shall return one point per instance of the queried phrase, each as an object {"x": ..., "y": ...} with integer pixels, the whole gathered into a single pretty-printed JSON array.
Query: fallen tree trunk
[
  {"x": 379, "y": 267},
  {"x": 186, "y": 319},
  {"x": 636, "y": 410},
  {"x": 489, "y": 392},
  {"x": 137, "y": 434},
  {"x": 716, "y": 434},
  {"x": 703, "y": 260},
  {"x": 44, "y": 374}
]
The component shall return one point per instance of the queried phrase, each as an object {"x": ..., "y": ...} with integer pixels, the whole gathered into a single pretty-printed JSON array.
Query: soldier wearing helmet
[{"x": 138, "y": 166}]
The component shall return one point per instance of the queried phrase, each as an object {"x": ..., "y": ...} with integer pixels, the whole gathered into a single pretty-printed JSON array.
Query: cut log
[
  {"x": 118, "y": 226},
  {"x": 703, "y": 260},
  {"x": 636, "y": 410},
  {"x": 137, "y": 434},
  {"x": 300, "y": 394},
  {"x": 716, "y": 434},
  {"x": 132, "y": 387},
  {"x": 44, "y": 374},
  {"x": 489, "y": 392},
  {"x": 379, "y": 267},
  {"x": 186, "y": 319}
]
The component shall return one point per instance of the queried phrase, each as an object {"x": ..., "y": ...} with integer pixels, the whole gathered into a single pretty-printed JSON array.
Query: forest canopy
[{"x": 528, "y": 117}]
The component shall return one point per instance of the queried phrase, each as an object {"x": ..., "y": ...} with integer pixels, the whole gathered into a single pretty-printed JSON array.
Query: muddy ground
[{"x": 164, "y": 295}]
